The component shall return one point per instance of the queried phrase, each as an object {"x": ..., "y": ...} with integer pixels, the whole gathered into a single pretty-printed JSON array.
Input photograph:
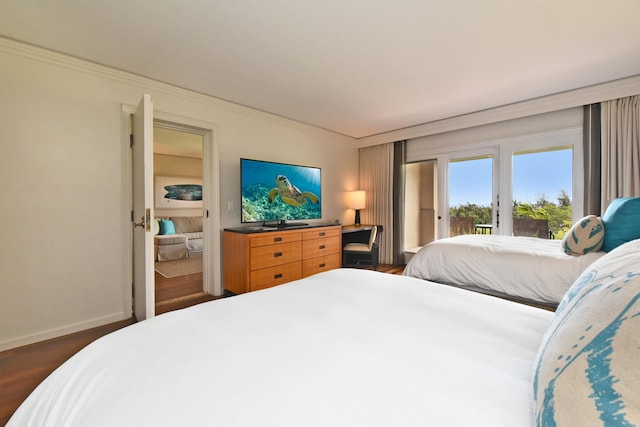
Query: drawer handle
[
  {"x": 277, "y": 239},
  {"x": 277, "y": 254},
  {"x": 322, "y": 246},
  {"x": 322, "y": 265},
  {"x": 277, "y": 276},
  {"x": 322, "y": 234}
]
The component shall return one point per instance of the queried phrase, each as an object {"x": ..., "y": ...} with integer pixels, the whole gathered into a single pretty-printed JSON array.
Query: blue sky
[{"x": 533, "y": 174}]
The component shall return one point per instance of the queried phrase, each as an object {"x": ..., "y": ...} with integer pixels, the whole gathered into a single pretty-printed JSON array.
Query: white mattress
[
  {"x": 342, "y": 348},
  {"x": 528, "y": 268}
]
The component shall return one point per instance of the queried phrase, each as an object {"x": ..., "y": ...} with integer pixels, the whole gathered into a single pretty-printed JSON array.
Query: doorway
[
  {"x": 178, "y": 157},
  {"x": 134, "y": 262}
]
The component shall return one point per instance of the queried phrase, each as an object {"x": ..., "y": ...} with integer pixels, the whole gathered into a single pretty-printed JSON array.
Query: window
[
  {"x": 542, "y": 189},
  {"x": 471, "y": 189},
  {"x": 522, "y": 185}
]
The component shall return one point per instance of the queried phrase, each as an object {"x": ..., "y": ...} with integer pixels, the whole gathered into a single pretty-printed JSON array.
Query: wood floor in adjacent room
[
  {"x": 23, "y": 368},
  {"x": 179, "y": 292}
]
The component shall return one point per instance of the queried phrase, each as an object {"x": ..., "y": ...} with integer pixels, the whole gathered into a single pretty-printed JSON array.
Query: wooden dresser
[{"x": 258, "y": 260}]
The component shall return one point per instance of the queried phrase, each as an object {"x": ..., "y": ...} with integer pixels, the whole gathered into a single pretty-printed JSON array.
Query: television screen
[{"x": 279, "y": 192}]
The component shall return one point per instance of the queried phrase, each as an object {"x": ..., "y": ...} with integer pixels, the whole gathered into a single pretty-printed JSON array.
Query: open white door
[{"x": 142, "y": 164}]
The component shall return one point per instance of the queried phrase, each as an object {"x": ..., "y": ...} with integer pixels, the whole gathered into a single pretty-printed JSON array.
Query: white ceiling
[{"x": 357, "y": 67}]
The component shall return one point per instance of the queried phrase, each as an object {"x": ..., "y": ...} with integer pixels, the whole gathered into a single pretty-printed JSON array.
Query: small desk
[{"x": 355, "y": 228}]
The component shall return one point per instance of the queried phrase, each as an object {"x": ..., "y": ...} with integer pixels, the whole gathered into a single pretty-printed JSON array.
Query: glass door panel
[
  {"x": 541, "y": 192},
  {"x": 470, "y": 195}
]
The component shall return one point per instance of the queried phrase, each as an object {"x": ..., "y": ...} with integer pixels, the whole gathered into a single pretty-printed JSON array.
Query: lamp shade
[{"x": 356, "y": 199}]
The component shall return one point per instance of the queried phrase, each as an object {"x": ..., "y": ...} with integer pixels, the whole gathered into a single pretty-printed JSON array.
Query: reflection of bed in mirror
[{"x": 521, "y": 268}]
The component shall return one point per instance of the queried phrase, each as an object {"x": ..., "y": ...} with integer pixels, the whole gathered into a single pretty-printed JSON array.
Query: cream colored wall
[{"x": 60, "y": 165}]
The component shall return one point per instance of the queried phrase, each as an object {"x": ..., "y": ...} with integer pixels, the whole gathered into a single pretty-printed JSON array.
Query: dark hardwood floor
[{"x": 23, "y": 368}]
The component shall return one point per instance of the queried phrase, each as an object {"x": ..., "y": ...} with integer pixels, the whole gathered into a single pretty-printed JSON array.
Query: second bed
[{"x": 526, "y": 269}]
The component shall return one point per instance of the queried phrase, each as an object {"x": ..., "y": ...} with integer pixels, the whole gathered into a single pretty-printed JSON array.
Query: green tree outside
[
  {"x": 558, "y": 214},
  {"x": 480, "y": 214}
]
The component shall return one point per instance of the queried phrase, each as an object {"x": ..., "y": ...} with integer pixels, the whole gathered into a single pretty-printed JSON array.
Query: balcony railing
[{"x": 521, "y": 227}]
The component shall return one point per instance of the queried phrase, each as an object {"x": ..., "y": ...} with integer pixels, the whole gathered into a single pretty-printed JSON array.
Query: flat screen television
[{"x": 279, "y": 192}]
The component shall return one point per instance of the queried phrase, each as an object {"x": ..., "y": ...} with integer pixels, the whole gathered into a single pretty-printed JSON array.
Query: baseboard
[{"x": 55, "y": 333}]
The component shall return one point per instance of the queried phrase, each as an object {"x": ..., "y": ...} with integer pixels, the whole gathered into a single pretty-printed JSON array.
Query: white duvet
[
  {"x": 342, "y": 348},
  {"x": 528, "y": 268}
]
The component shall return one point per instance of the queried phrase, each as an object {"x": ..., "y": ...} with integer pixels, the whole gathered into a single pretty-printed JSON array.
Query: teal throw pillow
[
  {"x": 621, "y": 222},
  {"x": 167, "y": 227}
]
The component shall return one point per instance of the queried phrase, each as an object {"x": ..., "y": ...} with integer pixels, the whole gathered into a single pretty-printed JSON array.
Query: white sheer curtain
[
  {"x": 620, "y": 122},
  {"x": 376, "y": 179}
]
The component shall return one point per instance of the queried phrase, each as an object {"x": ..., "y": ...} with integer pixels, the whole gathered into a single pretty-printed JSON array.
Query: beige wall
[{"x": 61, "y": 257}]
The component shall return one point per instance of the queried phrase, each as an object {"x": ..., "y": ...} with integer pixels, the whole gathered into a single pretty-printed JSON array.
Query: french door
[
  {"x": 469, "y": 193},
  {"x": 513, "y": 186}
]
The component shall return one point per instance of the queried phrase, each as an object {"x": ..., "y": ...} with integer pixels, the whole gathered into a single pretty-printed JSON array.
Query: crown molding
[
  {"x": 40, "y": 54},
  {"x": 578, "y": 97}
]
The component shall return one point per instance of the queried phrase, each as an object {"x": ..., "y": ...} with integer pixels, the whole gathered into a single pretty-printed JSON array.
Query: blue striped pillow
[
  {"x": 586, "y": 235},
  {"x": 587, "y": 371}
]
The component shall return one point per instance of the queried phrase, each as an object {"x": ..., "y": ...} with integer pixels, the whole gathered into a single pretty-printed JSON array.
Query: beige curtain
[
  {"x": 376, "y": 179},
  {"x": 620, "y": 121}
]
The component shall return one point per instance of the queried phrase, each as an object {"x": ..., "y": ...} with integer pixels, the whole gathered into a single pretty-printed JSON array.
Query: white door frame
[{"x": 212, "y": 271}]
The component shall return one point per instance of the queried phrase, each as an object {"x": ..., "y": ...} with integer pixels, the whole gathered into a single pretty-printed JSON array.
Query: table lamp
[{"x": 356, "y": 201}]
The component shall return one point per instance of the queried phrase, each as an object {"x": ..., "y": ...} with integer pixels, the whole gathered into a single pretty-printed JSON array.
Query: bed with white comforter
[
  {"x": 342, "y": 348},
  {"x": 525, "y": 268}
]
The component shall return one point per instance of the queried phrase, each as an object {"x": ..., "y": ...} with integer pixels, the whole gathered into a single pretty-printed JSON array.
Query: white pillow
[
  {"x": 587, "y": 371},
  {"x": 586, "y": 235}
]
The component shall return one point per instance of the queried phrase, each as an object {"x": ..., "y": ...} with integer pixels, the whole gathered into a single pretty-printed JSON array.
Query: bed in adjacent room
[
  {"x": 352, "y": 348},
  {"x": 529, "y": 269}
]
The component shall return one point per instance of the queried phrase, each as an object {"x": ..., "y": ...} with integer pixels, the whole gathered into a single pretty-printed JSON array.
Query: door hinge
[
  {"x": 131, "y": 141},
  {"x": 132, "y": 216}
]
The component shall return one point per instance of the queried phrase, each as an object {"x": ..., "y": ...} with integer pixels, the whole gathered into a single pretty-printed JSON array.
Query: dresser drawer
[
  {"x": 319, "y": 247},
  {"x": 323, "y": 263},
  {"x": 320, "y": 233},
  {"x": 275, "y": 238},
  {"x": 268, "y": 256},
  {"x": 272, "y": 276},
  {"x": 257, "y": 260}
]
